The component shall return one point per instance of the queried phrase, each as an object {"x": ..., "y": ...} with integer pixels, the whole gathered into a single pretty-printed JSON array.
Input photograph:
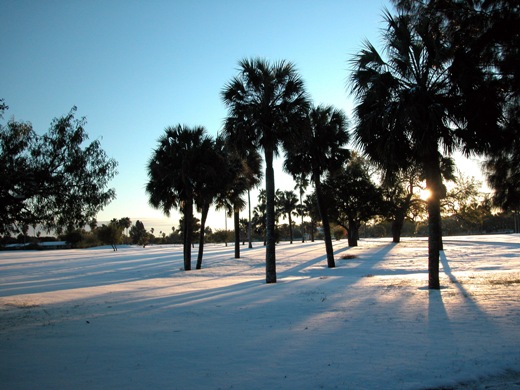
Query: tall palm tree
[
  {"x": 320, "y": 150},
  {"x": 288, "y": 202},
  {"x": 405, "y": 110},
  {"x": 178, "y": 165},
  {"x": 266, "y": 103}
]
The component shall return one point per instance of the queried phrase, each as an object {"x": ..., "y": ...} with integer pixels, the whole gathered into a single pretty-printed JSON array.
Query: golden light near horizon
[{"x": 425, "y": 194}]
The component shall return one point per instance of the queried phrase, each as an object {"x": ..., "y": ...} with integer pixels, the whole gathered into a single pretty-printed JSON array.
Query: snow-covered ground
[{"x": 98, "y": 319}]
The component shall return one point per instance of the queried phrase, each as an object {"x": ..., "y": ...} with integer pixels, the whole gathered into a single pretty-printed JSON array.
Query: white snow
[{"x": 132, "y": 319}]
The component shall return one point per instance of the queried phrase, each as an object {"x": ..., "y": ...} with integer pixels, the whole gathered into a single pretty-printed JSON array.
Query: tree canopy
[
  {"x": 55, "y": 180},
  {"x": 267, "y": 103}
]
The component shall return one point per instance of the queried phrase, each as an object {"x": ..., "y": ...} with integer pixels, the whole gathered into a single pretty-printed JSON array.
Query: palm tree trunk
[
  {"x": 203, "y": 217},
  {"x": 225, "y": 226},
  {"x": 270, "y": 251},
  {"x": 188, "y": 229},
  {"x": 325, "y": 221},
  {"x": 290, "y": 228},
  {"x": 249, "y": 226},
  {"x": 301, "y": 205},
  {"x": 434, "y": 184},
  {"x": 236, "y": 218}
]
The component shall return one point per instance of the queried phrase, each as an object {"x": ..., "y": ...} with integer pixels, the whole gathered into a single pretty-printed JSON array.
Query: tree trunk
[
  {"x": 434, "y": 184},
  {"x": 325, "y": 221},
  {"x": 188, "y": 229},
  {"x": 203, "y": 217},
  {"x": 353, "y": 233},
  {"x": 270, "y": 251},
  {"x": 301, "y": 205},
  {"x": 236, "y": 219},
  {"x": 397, "y": 226},
  {"x": 249, "y": 225},
  {"x": 290, "y": 228},
  {"x": 398, "y": 222}
]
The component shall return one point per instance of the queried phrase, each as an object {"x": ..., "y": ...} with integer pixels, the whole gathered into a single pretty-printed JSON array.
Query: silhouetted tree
[
  {"x": 266, "y": 104},
  {"x": 52, "y": 179}
]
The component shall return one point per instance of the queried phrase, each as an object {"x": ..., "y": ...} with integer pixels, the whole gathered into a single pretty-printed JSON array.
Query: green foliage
[
  {"x": 183, "y": 170},
  {"x": 339, "y": 232},
  {"x": 110, "y": 234},
  {"x": 482, "y": 39},
  {"x": 138, "y": 234},
  {"x": 53, "y": 179},
  {"x": 354, "y": 198}
]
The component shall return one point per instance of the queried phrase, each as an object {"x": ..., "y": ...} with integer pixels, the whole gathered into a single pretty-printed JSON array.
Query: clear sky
[{"x": 135, "y": 67}]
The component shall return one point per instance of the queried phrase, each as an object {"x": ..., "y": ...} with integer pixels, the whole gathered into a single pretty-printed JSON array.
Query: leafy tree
[
  {"x": 93, "y": 223},
  {"x": 125, "y": 223},
  {"x": 321, "y": 149},
  {"x": 466, "y": 206},
  {"x": 138, "y": 234},
  {"x": 399, "y": 197},
  {"x": 52, "y": 179},
  {"x": 354, "y": 197},
  {"x": 110, "y": 234},
  {"x": 178, "y": 167},
  {"x": 266, "y": 105},
  {"x": 503, "y": 164}
]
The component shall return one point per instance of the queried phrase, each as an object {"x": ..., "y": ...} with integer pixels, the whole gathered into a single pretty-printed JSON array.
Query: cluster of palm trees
[
  {"x": 414, "y": 109},
  {"x": 269, "y": 110}
]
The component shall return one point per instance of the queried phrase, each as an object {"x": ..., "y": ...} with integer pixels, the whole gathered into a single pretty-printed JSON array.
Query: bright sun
[{"x": 425, "y": 194}]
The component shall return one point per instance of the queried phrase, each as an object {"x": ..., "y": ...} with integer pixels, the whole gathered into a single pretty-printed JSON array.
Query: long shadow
[
  {"x": 435, "y": 298},
  {"x": 512, "y": 245},
  {"x": 83, "y": 272},
  {"x": 173, "y": 313}
]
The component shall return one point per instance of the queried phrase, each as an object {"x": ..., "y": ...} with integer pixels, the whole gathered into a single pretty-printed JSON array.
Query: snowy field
[{"x": 98, "y": 319}]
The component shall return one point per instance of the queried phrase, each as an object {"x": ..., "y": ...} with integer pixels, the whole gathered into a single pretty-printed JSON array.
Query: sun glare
[{"x": 425, "y": 194}]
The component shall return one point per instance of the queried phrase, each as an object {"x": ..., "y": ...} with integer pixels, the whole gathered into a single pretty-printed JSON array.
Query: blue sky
[{"x": 135, "y": 67}]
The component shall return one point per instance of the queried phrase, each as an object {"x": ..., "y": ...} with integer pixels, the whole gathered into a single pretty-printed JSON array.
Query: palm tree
[
  {"x": 259, "y": 215},
  {"x": 320, "y": 150},
  {"x": 311, "y": 208},
  {"x": 288, "y": 202},
  {"x": 266, "y": 104},
  {"x": 216, "y": 178},
  {"x": 233, "y": 202},
  {"x": 243, "y": 168},
  {"x": 253, "y": 176},
  {"x": 405, "y": 111},
  {"x": 177, "y": 167},
  {"x": 302, "y": 182}
]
